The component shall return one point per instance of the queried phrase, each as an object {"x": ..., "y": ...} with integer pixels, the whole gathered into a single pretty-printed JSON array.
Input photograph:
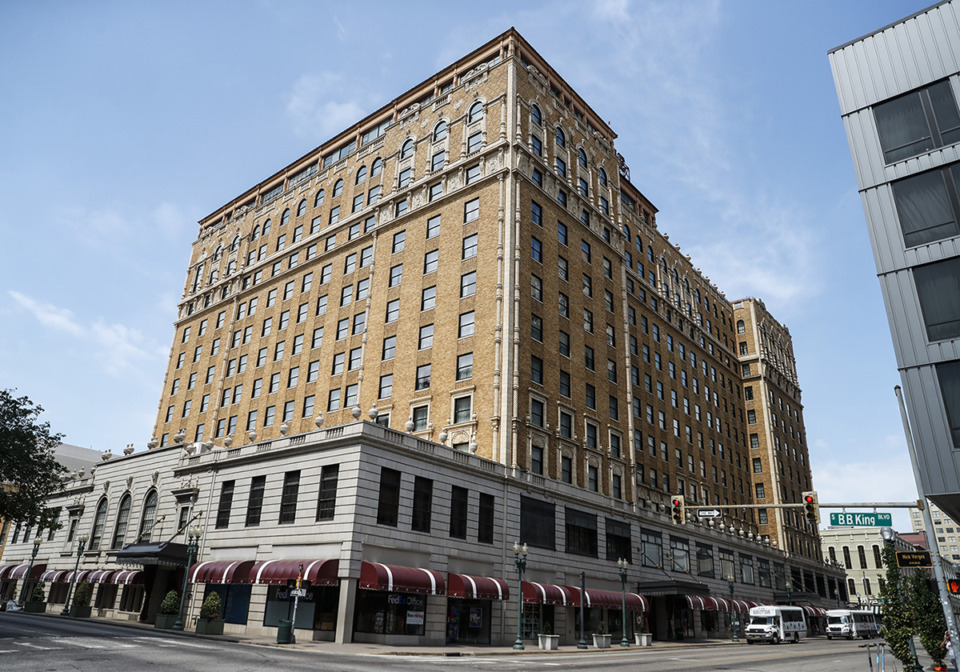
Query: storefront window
[
  {"x": 390, "y": 613},
  {"x": 234, "y": 602},
  {"x": 280, "y": 606},
  {"x": 468, "y": 621}
]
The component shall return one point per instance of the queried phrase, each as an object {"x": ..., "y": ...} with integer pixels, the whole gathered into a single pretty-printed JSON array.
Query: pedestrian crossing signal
[{"x": 953, "y": 586}]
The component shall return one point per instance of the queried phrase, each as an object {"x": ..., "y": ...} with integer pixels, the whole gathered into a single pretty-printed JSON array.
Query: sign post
[
  {"x": 297, "y": 593},
  {"x": 862, "y": 519}
]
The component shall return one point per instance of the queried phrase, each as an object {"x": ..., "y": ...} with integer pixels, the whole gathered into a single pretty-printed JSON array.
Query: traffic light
[
  {"x": 811, "y": 509},
  {"x": 678, "y": 510}
]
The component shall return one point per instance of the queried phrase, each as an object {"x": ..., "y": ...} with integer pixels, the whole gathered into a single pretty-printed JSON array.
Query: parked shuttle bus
[
  {"x": 851, "y": 623},
  {"x": 776, "y": 624}
]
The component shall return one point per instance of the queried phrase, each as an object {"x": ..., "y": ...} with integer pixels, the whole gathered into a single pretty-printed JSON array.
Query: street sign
[
  {"x": 914, "y": 559},
  {"x": 298, "y": 592},
  {"x": 708, "y": 513},
  {"x": 862, "y": 519}
]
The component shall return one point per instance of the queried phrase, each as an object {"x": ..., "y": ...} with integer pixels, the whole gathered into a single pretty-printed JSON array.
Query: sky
[{"x": 124, "y": 123}]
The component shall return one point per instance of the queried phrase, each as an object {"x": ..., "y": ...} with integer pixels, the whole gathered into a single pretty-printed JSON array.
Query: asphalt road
[{"x": 39, "y": 643}]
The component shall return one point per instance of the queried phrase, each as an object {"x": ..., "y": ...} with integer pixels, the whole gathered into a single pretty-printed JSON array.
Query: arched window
[
  {"x": 214, "y": 274},
  {"x": 123, "y": 516},
  {"x": 847, "y": 562},
  {"x": 148, "y": 517},
  {"x": 318, "y": 199},
  {"x": 266, "y": 227},
  {"x": 337, "y": 188},
  {"x": 582, "y": 157},
  {"x": 256, "y": 233},
  {"x": 218, "y": 253},
  {"x": 285, "y": 217},
  {"x": 232, "y": 266},
  {"x": 535, "y": 115},
  {"x": 235, "y": 245},
  {"x": 862, "y": 557},
  {"x": 852, "y": 586},
  {"x": 676, "y": 276},
  {"x": 603, "y": 177},
  {"x": 440, "y": 132},
  {"x": 561, "y": 138},
  {"x": 406, "y": 151},
  {"x": 626, "y": 232},
  {"x": 832, "y": 553},
  {"x": 96, "y": 536},
  {"x": 302, "y": 208},
  {"x": 741, "y": 327},
  {"x": 361, "y": 175},
  {"x": 877, "y": 560},
  {"x": 377, "y": 167},
  {"x": 475, "y": 113}
]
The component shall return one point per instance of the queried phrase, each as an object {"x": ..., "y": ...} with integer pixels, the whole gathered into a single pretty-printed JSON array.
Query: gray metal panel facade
[{"x": 902, "y": 57}]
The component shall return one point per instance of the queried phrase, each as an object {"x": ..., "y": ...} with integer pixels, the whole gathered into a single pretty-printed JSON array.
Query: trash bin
[{"x": 284, "y": 631}]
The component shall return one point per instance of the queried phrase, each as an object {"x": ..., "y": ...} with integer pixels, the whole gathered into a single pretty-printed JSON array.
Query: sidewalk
[{"x": 389, "y": 650}]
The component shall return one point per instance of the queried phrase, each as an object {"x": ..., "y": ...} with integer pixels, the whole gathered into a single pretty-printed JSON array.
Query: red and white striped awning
[
  {"x": 129, "y": 577},
  {"x": 397, "y": 579},
  {"x": 100, "y": 576},
  {"x": 80, "y": 576},
  {"x": 477, "y": 587},
  {"x": 278, "y": 572},
  {"x": 222, "y": 571},
  {"x": 53, "y": 575},
  {"x": 20, "y": 571},
  {"x": 813, "y": 611},
  {"x": 548, "y": 593},
  {"x": 707, "y": 603},
  {"x": 612, "y": 599}
]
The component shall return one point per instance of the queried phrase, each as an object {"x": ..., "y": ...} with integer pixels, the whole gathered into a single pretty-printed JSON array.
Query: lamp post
[
  {"x": 192, "y": 545},
  {"x": 733, "y": 611},
  {"x": 520, "y": 562},
  {"x": 789, "y": 586},
  {"x": 82, "y": 539},
  {"x": 26, "y": 579},
  {"x": 623, "y": 564}
]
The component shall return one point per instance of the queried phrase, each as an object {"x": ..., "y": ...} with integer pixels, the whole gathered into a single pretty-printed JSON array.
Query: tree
[
  {"x": 29, "y": 472},
  {"x": 928, "y": 616},
  {"x": 897, "y": 620}
]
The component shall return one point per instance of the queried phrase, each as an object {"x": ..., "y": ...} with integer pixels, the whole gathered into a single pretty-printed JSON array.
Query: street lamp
[
  {"x": 194, "y": 542},
  {"x": 789, "y": 586},
  {"x": 623, "y": 564},
  {"x": 520, "y": 562},
  {"x": 26, "y": 579},
  {"x": 82, "y": 539},
  {"x": 733, "y": 611}
]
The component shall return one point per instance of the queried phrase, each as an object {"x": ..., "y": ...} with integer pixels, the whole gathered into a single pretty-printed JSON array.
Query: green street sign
[{"x": 862, "y": 519}]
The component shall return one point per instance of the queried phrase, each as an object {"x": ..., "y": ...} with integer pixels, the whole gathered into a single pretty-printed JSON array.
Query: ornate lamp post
[
  {"x": 82, "y": 539},
  {"x": 26, "y": 579},
  {"x": 789, "y": 586},
  {"x": 520, "y": 561},
  {"x": 733, "y": 611},
  {"x": 192, "y": 546},
  {"x": 623, "y": 564}
]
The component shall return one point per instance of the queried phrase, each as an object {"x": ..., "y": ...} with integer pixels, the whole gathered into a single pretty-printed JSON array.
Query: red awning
[
  {"x": 4, "y": 570},
  {"x": 221, "y": 571},
  {"x": 612, "y": 599},
  {"x": 377, "y": 576},
  {"x": 20, "y": 571},
  {"x": 100, "y": 576},
  {"x": 478, "y": 587},
  {"x": 547, "y": 593},
  {"x": 278, "y": 572},
  {"x": 53, "y": 575},
  {"x": 742, "y": 606},
  {"x": 130, "y": 577},
  {"x": 707, "y": 603},
  {"x": 813, "y": 611},
  {"x": 81, "y": 576}
]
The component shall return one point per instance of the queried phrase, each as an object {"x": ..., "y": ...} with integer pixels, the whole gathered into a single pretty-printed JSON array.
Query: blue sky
[{"x": 125, "y": 123}]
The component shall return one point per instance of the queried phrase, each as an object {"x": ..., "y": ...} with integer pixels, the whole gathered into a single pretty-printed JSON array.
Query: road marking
[
  {"x": 38, "y": 648},
  {"x": 85, "y": 645}
]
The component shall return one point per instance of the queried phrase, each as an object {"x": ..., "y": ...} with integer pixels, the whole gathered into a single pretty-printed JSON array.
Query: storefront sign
[
  {"x": 476, "y": 617},
  {"x": 415, "y": 617}
]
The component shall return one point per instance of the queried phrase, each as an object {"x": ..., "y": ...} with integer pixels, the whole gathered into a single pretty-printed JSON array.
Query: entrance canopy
[
  {"x": 164, "y": 554},
  {"x": 477, "y": 587},
  {"x": 397, "y": 579},
  {"x": 278, "y": 572}
]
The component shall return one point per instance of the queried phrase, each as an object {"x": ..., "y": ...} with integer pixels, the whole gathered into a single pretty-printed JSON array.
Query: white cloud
[
  {"x": 120, "y": 349},
  {"x": 314, "y": 109}
]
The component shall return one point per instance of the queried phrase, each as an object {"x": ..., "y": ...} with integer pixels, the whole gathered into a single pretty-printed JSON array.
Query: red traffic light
[
  {"x": 808, "y": 499},
  {"x": 676, "y": 502}
]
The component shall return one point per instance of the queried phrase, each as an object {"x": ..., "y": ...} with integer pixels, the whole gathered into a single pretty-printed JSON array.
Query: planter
[
  {"x": 644, "y": 638},
  {"x": 35, "y": 607},
  {"x": 165, "y": 621},
  {"x": 549, "y": 642},
  {"x": 602, "y": 641},
  {"x": 209, "y": 626},
  {"x": 80, "y": 612}
]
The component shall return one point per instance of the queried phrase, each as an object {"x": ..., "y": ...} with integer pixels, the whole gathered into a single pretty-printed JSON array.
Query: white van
[
  {"x": 851, "y": 623},
  {"x": 776, "y": 624}
]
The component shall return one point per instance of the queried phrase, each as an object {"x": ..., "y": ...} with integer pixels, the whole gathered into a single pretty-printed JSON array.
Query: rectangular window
[
  {"x": 651, "y": 548},
  {"x": 426, "y": 337},
  {"x": 386, "y": 386},
  {"x": 389, "y": 347},
  {"x": 420, "y": 415},
  {"x": 948, "y": 374},
  {"x": 581, "y": 532},
  {"x": 423, "y": 377},
  {"x": 938, "y": 285},
  {"x": 462, "y": 407},
  {"x": 474, "y": 142},
  {"x": 537, "y": 523},
  {"x": 288, "y": 497},
  {"x": 430, "y": 261},
  {"x": 536, "y": 249},
  {"x": 473, "y": 174},
  {"x": 223, "y": 507},
  {"x": 466, "y": 325},
  {"x": 458, "y": 512},
  {"x": 422, "y": 504},
  {"x": 619, "y": 544},
  {"x": 465, "y": 366},
  {"x": 255, "y": 500},
  {"x": 468, "y": 284},
  {"x": 485, "y": 519},
  {"x": 469, "y": 246},
  {"x": 327, "y": 502},
  {"x": 927, "y": 204},
  {"x": 471, "y": 210},
  {"x": 917, "y": 122},
  {"x": 388, "y": 505},
  {"x": 428, "y": 298}
]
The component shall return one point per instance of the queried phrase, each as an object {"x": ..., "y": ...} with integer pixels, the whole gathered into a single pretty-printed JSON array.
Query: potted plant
[
  {"x": 548, "y": 640},
  {"x": 81, "y": 601},
  {"x": 36, "y": 604},
  {"x": 644, "y": 638},
  {"x": 210, "y": 622},
  {"x": 169, "y": 609},
  {"x": 601, "y": 638}
]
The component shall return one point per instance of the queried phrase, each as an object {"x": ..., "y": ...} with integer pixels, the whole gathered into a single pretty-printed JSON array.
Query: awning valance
[
  {"x": 130, "y": 577},
  {"x": 278, "y": 572},
  {"x": 163, "y": 554},
  {"x": 53, "y": 575},
  {"x": 477, "y": 587},
  {"x": 20, "y": 571},
  {"x": 221, "y": 571},
  {"x": 548, "y": 593},
  {"x": 397, "y": 579}
]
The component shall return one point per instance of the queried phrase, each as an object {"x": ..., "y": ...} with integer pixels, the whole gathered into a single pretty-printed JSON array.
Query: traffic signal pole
[{"x": 928, "y": 523}]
